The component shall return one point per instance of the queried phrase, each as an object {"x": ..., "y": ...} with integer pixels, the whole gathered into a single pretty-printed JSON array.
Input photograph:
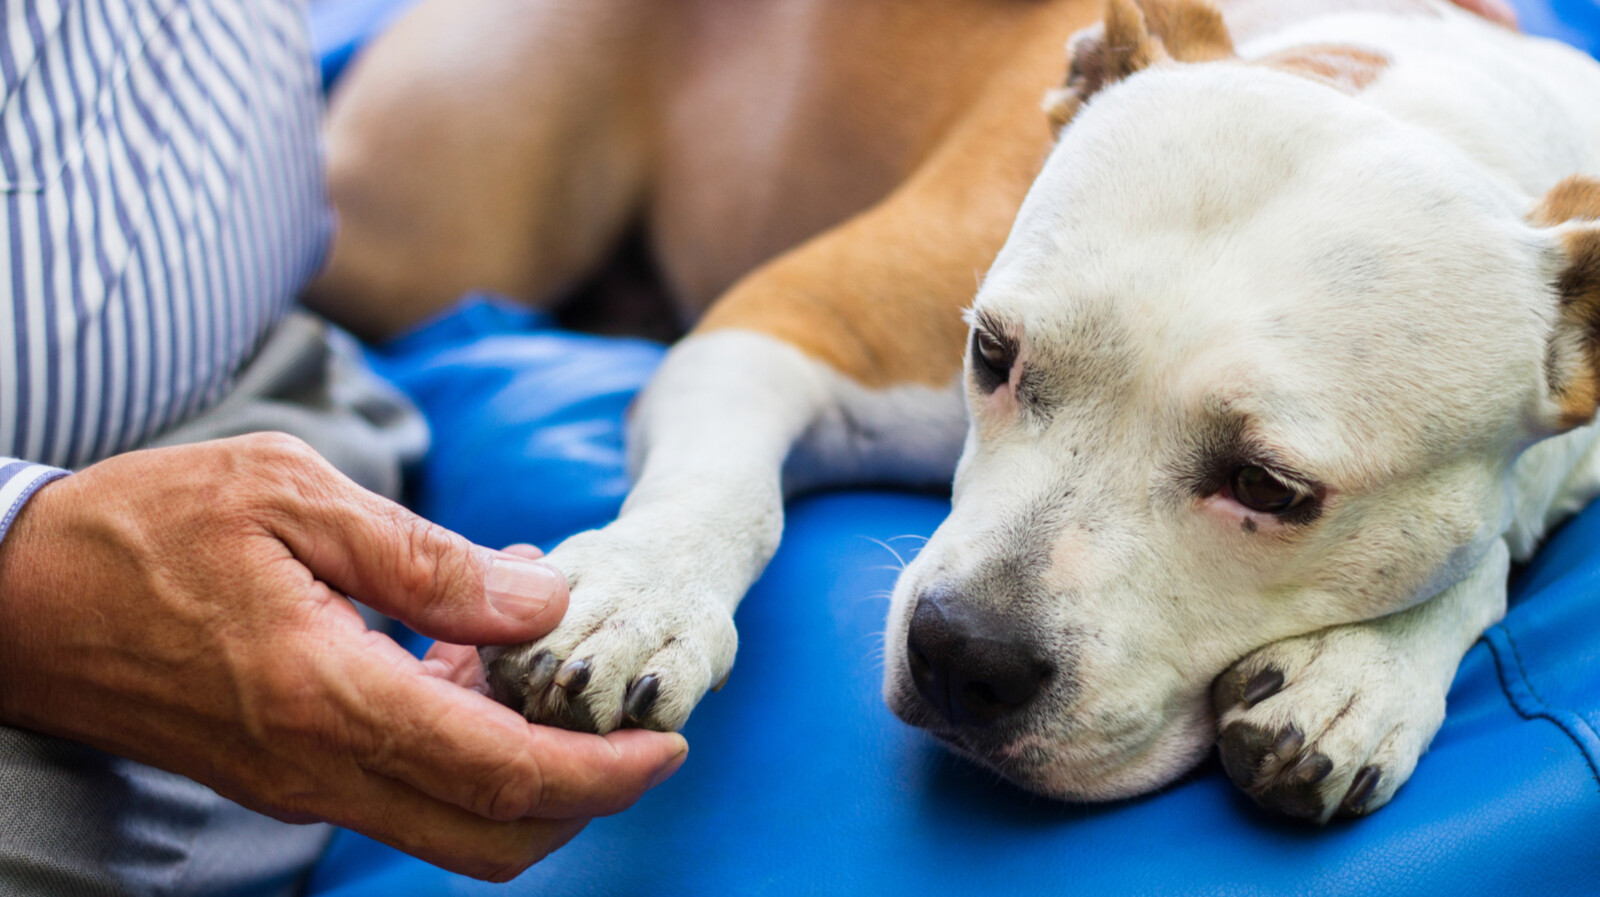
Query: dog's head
[{"x": 1256, "y": 360}]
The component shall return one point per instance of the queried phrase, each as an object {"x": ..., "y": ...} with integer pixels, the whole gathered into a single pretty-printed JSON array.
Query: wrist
[{"x": 26, "y": 550}]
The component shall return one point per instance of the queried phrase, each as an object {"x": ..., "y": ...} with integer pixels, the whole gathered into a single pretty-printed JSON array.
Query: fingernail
[
  {"x": 671, "y": 766},
  {"x": 520, "y": 588}
]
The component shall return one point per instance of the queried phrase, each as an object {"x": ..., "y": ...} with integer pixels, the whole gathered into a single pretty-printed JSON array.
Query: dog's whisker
[{"x": 889, "y": 548}]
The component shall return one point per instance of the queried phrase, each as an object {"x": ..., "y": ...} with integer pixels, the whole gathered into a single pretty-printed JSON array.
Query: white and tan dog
[{"x": 1291, "y": 350}]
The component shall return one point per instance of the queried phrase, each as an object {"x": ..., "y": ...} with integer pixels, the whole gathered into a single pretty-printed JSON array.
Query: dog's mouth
[{"x": 1077, "y": 767}]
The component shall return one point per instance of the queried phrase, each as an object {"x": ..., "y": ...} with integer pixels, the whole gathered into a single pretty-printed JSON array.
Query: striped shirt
[{"x": 163, "y": 204}]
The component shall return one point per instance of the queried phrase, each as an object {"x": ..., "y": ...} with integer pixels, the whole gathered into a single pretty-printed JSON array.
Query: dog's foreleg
[
  {"x": 837, "y": 362},
  {"x": 650, "y": 626},
  {"x": 1334, "y": 722}
]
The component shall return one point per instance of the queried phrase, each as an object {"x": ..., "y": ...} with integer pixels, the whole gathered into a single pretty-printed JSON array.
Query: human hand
[{"x": 185, "y": 607}]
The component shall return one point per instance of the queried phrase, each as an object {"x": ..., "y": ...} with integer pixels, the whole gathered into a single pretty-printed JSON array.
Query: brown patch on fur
[
  {"x": 879, "y": 297},
  {"x": 1577, "y": 199},
  {"x": 1133, "y": 37},
  {"x": 1349, "y": 69}
]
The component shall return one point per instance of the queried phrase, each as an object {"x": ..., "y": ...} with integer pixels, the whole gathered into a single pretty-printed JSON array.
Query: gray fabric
[
  {"x": 77, "y": 822},
  {"x": 308, "y": 380}
]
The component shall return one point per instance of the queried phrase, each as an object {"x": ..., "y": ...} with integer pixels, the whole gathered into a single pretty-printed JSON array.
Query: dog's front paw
[
  {"x": 642, "y": 641},
  {"x": 1327, "y": 723}
]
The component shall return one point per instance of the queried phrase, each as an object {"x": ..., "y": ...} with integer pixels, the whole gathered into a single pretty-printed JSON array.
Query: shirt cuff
[{"x": 18, "y": 481}]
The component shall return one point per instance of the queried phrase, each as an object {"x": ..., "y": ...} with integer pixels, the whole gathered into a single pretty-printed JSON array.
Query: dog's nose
[{"x": 973, "y": 667}]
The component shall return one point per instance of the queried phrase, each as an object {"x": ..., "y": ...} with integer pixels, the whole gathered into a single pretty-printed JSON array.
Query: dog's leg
[
  {"x": 1333, "y": 722},
  {"x": 650, "y": 626},
  {"x": 494, "y": 145},
  {"x": 842, "y": 358}
]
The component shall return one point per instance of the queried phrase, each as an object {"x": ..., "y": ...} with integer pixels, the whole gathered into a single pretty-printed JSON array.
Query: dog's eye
[
  {"x": 991, "y": 360},
  {"x": 1257, "y": 489}
]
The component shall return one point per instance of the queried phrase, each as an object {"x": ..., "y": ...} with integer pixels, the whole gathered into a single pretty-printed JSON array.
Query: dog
[{"x": 1289, "y": 352}]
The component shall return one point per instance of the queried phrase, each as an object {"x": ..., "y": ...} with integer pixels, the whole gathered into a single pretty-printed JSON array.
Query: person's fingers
[
  {"x": 456, "y": 663},
  {"x": 523, "y": 550},
  {"x": 438, "y": 832},
  {"x": 465, "y": 749},
  {"x": 433, "y": 580}
]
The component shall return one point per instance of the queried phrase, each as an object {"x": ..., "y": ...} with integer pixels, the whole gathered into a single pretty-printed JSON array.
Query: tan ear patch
[
  {"x": 1349, "y": 69},
  {"x": 1133, "y": 37},
  {"x": 1577, "y": 199},
  {"x": 1189, "y": 30}
]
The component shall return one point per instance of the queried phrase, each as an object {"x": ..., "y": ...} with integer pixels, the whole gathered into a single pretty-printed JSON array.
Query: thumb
[{"x": 429, "y": 578}]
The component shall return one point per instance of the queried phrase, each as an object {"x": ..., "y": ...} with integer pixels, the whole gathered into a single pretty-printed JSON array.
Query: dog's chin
[{"x": 1076, "y": 769}]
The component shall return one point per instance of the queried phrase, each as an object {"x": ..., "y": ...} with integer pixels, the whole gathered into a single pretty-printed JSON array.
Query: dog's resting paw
[
  {"x": 638, "y": 647},
  {"x": 1326, "y": 724}
]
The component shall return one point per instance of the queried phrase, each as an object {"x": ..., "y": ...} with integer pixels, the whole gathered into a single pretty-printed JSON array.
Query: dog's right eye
[
  {"x": 1257, "y": 489},
  {"x": 991, "y": 360}
]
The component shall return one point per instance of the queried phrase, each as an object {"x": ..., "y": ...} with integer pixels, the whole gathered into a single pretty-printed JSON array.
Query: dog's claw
[
  {"x": 641, "y": 697},
  {"x": 574, "y": 677},
  {"x": 541, "y": 671},
  {"x": 1290, "y": 741},
  {"x": 1355, "y": 802},
  {"x": 1309, "y": 769},
  {"x": 1262, "y": 686}
]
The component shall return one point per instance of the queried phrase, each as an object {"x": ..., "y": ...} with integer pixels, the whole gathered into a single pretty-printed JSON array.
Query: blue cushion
[{"x": 800, "y": 781}]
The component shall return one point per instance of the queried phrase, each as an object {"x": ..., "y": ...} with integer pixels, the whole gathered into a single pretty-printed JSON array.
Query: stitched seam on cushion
[{"x": 1519, "y": 691}]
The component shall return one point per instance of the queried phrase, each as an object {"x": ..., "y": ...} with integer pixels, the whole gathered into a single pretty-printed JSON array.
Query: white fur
[{"x": 1350, "y": 275}]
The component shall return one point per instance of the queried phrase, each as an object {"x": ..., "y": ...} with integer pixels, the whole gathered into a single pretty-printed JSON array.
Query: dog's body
[{"x": 1137, "y": 371}]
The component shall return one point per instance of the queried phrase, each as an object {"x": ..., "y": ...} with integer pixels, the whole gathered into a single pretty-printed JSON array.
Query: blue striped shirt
[{"x": 163, "y": 204}]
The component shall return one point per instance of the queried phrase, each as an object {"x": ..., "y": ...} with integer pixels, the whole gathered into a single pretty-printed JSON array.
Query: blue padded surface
[{"x": 800, "y": 781}]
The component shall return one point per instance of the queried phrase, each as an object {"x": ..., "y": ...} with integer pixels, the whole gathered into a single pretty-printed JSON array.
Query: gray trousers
[{"x": 77, "y": 822}]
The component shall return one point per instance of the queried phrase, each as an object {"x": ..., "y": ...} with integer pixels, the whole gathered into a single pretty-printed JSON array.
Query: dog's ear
[
  {"x": 1572, "y": 361},
  {"x": 1134, "y": 36}
]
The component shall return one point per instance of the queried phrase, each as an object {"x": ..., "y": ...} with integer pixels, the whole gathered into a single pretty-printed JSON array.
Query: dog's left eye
[
  {"x": 1257, "y": 489},
  {"x": 991, "y": 359}
]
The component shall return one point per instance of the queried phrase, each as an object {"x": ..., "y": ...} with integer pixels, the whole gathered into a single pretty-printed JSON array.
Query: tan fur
[
  {"x": 1136, "y": 36},
  {"x": 1349, "y": 69},
  {"x": 1577, "y": 199}
]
